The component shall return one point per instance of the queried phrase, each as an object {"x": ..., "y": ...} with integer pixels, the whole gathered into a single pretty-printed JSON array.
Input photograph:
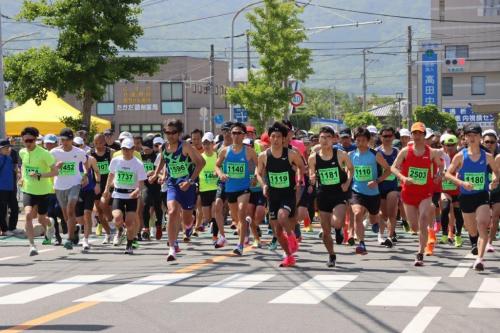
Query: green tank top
[{"x": 208, "y": 178}]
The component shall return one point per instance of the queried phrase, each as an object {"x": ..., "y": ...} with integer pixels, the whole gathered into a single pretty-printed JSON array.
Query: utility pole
[
  {"x": 334, "y": 101},
  {"x": 410, "y": 88},
  {"x": 2, "y": 88},
  {"x": 212, "y": 90},
  {"x": 249, "y": 63},
  {"x": 364, "y": 80}
]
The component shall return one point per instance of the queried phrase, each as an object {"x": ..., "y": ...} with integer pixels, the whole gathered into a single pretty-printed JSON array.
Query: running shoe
[
  {"x": 146, "y": 235},
  {"x": 320, "y": 235},
  {"x": 238, "y": 250},
  {"x": 195, "y": 234},
  {"x": 288, "y": 261},
  {"x": 394, "y": 238},
  {"x": 474, "y": 250},
  {"x": 351, "y": 241},
  {"x": 186, "y": 239},
  {"x": 361, "y": 249},
  {"x": 189, "y": 231},
  {"x": 85, "y": 244},
  {"x": 429, "y": 249},
  {"x": 380, "y": 239},
  {"x": 58, "y": 240},
  {"x": 135, "y": 244},
  {"x": 339, "y": 236},
  {"x": 159, "y": 233},
  {"x": 375, "y": 228},
  {"x": 256, "y": 244},
  {"x": 478, "y": 265},
  {"x": 177, "y": 247},
  {"x": 419, "y": 260},
  {"x": 387, "y": 243},
  {"x": 50, "y": 230},
  {"x": 46, "y": 241},
  {"x": 443, "y": 239},
  {"x": 269, "y": 230},
  {"x": 308, "y": 229},
  {"x": 458, "y": 241},
  {"x": 273, "y": 245},
  {"x": 234, "y": 226},
  {"x": 98, "y": 230},
  {"x": 432, "y": 236},
  {"x": 33, "y": 251},
  {"x": 201, "y": 228},
  {"x": 106, "y": 240},
  {"x": 221, "y": 242},
  {"x": 332, "y": 259},
  {"x": 405, "y": 225},
  {"x": 68, "y": 245},
  {"x": 490, "y": 248},
  {"x": 76, "y": 235},
  {"x": 293, "y": 244},
  {"x": 171, "y": 255},
  {"x": 129, "y": 250}
]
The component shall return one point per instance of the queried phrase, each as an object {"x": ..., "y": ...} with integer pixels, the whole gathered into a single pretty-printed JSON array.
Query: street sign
[
  {"x": 219, "y": 119},
  {"x": 429, "y": 78},
  {"x": 203, "y": 111},
  {"x": 240, "y": 114},
  {"x": 297, "y": 99}
]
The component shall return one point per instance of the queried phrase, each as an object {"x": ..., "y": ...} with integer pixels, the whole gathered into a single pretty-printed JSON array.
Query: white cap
[
  {"x": 124, "y": 135},
  {"x": 218, "y": 139},
  {"x": 404, "y": 132},
  {"x": 209, "y": 136},
  {"x": 444, "y": 137},
  {"x": 78, "y": 141},
  {"x": 372, "y": 129},
  {"x": 247, "y": 141},
  {"x": 50, "y": 138},
  {"x": 490, "y": 132},
  {"x": 127, "y": 143},
  {"x": 158, "y": 140},
  {"x": 428, "y": 133}
]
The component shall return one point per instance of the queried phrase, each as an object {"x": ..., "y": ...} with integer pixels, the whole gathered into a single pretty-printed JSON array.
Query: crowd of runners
[{"x": 434, "y": 185}]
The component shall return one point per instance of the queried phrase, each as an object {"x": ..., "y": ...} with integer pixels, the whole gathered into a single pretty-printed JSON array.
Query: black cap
[
  {"x": 472, "y": 128},
  {"x": 109, "y": 131},
  {"x": 4, "y": 143},
  {"x": 148, "y": 143},
  {"x": 227, "y": 125},
  {"x": 346, "y": 132},
  {"x": 67, "y": 133}
]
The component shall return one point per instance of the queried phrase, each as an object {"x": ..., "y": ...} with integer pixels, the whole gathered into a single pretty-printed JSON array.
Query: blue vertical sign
[{"x": 429, "y": 78}]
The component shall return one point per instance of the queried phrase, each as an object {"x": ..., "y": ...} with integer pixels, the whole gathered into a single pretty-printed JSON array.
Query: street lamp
[{"x": 399, "y": 97}]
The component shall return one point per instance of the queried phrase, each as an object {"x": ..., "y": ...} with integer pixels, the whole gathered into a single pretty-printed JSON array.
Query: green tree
[
  {"x": 86, "y": 58},
  {"x": 276, "y": 35},
  {"x": 434, "y": 119},
  {"x": 354, "y": 120}
]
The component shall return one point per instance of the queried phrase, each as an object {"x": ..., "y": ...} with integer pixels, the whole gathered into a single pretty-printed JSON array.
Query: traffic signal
[{"x": 455, "y": 62}]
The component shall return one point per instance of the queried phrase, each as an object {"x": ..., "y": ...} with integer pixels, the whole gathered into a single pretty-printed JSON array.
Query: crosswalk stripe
[
  {"x": 8, "y": 258},
  {"x": 6, "y": 281},
  {"x": 461, "y": 270},
  {"x": 405, "y": 291},
  {"x": 314, "y": 290},
  {"x": 423, "y": 318},
  {"x": 229, "y": 287},
  {"x": 50, "y": 289},
  {"x": 136, "y": 288},
  {"x": 488, "y": 295}
]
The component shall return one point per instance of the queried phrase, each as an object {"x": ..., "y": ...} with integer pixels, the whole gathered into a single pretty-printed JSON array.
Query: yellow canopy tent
[{"x": 45, "y": 117}]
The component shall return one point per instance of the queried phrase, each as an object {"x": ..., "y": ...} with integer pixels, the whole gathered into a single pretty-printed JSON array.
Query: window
[
  {"x": 447, "y": 86},
  {"x": 478, "y": 85},
  {"x": 489, "y": 8},
  {"x": 172, "y": 98},
  {"x": 193, "y": 87},
  {"x": 106, "y": 106},
  {"x": 456, "y": 51},
  {"x": 142, "y": 129}
]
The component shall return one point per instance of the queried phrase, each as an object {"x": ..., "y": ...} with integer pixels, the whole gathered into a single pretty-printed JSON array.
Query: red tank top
[{"x": 420, "y": 169}]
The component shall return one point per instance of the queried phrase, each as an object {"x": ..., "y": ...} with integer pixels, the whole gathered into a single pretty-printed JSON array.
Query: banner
[
  {"x": 465, "y": 115},
  {"x": 320, "y": 122}
]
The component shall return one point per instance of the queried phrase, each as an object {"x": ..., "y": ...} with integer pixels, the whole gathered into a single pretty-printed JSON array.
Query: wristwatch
[{"x": 190, "y": 181}]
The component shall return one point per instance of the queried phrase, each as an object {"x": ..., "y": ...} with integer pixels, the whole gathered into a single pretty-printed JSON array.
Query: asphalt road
[{"x": 210, "y": 290}]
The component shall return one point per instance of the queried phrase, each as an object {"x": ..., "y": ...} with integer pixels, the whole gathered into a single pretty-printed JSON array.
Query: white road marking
[
  {"x": 405, "y": 291},
  {"x": 136, "y": 288},
  {"x": 222, "y": 290},
  {"x": 314, "y": 290},
  {"x": 46, "y": 290},
  {"x": 488, "y": 295},
  {"x": 6, "y": 281},
  {"x": 461, "y": 270},
  {"x": 423, "y": 318}
]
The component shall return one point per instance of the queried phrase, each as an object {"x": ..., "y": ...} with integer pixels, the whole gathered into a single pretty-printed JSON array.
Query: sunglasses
[
  {"x": 490, "y": 142},
  {"x": 387, "y": 136},
  {"x": 29, "y": 140},
  {"x": 236, "y": 133},
  {"x": 170, "y": 132}
]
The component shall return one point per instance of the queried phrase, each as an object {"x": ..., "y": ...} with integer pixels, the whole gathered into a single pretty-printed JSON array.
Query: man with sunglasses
[
  {"x": 183, "y": 164},
  {"x": 233, "y": 168},
  {"x": 110, "y": 142},
  {"x": 69, "y": 180},
  {"x": 490, "y": 142},
  {"x": 414, "y": 168},
  {"x": 38, "y": 166}
]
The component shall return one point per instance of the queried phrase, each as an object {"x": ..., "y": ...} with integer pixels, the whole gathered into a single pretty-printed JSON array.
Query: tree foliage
[
  {"x": 86, "y": 58},
  {"x": 276, "y": 35},
  {"x": 354, "y": 120},
  {"x": 434, "y": 119}
]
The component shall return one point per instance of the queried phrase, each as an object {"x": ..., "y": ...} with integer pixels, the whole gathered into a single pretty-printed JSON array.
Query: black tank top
[
  {"x": 280, "y": 175},
  {"x": 329, "y": 174},
  {"x": 102, "y": 163}
]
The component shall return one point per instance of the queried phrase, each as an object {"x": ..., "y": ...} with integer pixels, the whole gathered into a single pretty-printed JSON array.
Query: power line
[{"x": 189, "y": 21}]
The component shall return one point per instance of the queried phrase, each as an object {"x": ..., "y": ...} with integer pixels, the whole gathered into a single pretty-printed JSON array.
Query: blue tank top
[
  {"x": 179, "y": 167},
  {"x": 391, "y": 182},
  {"x": 90, "y": 174},
  {"x": 475, "y": 173},
  {"x": 365, "y": 170},
  {"x": 236, "y": 167}
]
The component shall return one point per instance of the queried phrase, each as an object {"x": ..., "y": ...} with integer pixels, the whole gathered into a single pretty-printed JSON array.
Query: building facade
[{"x": 178, "y": 90}]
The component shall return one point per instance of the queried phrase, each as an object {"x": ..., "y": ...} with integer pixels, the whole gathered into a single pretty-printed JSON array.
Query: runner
[
  {"x": 126, "y": 175},
  {"x": 151, "y": 195},
  {"x": 38, "y": 166},
  {"x": 183, "y": 164},
  {"x": 331, "y": 170},
  {"x": 276, "y": 174},
  {"x": 232, "y": 167},
  {"x": 413, "y": 167},
  {"x": 471, "y": 164},
  {"x": 208, "y": 178},
  {"x": 69, "y": 181},
  {"x": 490, "y": 142}
]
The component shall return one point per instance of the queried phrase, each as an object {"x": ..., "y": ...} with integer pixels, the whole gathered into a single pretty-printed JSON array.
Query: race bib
[
  {"x": 235, "y": 170},
  {"x": 448, "y": 185},
  {"x": 363, "y": 173},
  {"x": 279, "y": 179},
  {"x": 68, "y": 169},
  {"x": 29, "y": 169},
  {"x": 103, "y": 167},
  {"x": 477, "y": 179},
  {"x": 419, "y": 175},
  {"x": 178, "y": 169},
  {"x": 149, "y": 166},
  {"x": 329, "y": 176},
  {"x": 210, "y": 177},
  {"x": 125, "y": 178}
]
